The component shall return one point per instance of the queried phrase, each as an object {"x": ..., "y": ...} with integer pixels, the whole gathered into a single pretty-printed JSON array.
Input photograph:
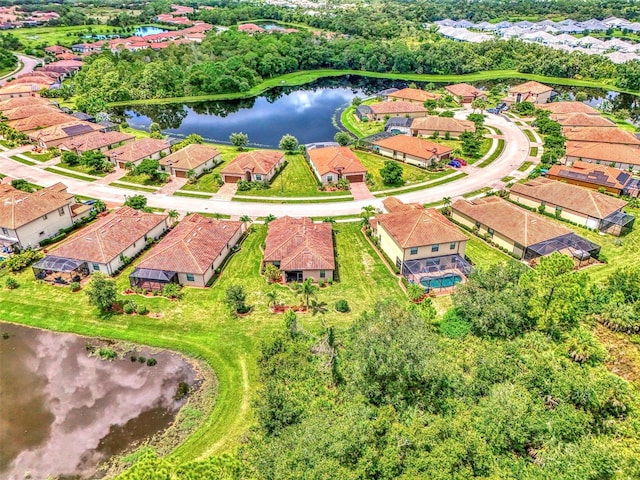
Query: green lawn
[
  {"x": 142, "y": 180},
  {"x": 81, "y": 169},
  {"x": 131, "y": 187},
  {"x": 524, "y": 166},
  {"x": 442, "y": 181},
  {"x": 530, "y": 135},
  {"x": 483, "y": 254},
  {"x": 496, "y": 153},
  {"x": 411, "y": 174},
  {"x": 39, "y": 157},
  {"x": 22, "y": 160},
  {"x": 66, "y": 36},
  {"x": 206, "y": 183},
  {"x": 200, "y": 326},
  {"x": 456, "y": 144},
  {"x": 355, "y": 126},
  {"x": 77, "y": 176},
  {"x": 533, "y": 152}
]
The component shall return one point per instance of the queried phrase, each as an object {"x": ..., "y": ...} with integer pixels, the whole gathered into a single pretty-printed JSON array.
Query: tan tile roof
[
  {"x": 192, "y": 246},
  {"x": 521, "y": 226},
  {"x": 600, "y": 135},
  {"x": 256, "y": 161},
  {"x": 605, "y": 152},
  {"x": 37, "y": 79},
  {"x": 19, "y": 208},
  {"x": 442, "y": 124},
  {"x": 300, "y": 244},
  {"x": 28, "y": 111},
  {"x": 16, "y": 89},
  {"x": 190, "y": 157},
  {"x": 563, "y": 108},
  {"x": 17, "y": 102},
  {"x": 570, "y": 197},
  {"x": 416, "y": 227},
  {"x": 531, "y": 87},
  {"x": 582, "y": 120},
  {"x": 464, "y": 90},
  {"x": 44, "y": 120},
  {"x": 64, "y": 130},
  {"x": 95, "y": 140},
  {"x": 138, "y": 150},
  {"x": 592, "y": 173},
  {"x": 414, "y": 146},
  {"x": 384, "y": 108},
  {"x": 414, "y": 94},
  {"x": 106, "y": 239},
  {"x": 336, "y": 160}
]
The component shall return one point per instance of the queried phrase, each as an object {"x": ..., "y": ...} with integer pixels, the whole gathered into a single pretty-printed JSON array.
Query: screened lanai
[
  {"x": 438, "y": 272},
  {"x": 152, "y": 279},
  {"x": 617, "y": 224},
  {"x": 60, "y": 270},
  {"x": 580, "y": 249}
]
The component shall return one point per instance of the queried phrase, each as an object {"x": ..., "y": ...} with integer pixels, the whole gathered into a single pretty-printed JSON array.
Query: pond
[
  {"x": 64, "y": 411},
  {"x": 145, "y": 30},
  {"x": 309, "y": 112}
]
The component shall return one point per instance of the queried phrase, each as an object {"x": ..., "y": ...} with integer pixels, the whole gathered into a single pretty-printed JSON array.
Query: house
[
  {"x": 12, "y": 103},
  {"x": 38, "y": 122},
  {"x": 19, "y": 113},
  {"x": 624, "y": 157},
  {"x": 39, "y": 80},
  {"x": 95, "y": 140},
  {"x": 600, "y": 135},
  {"x": 17, "y": 91},
  {"x": 532, "y": 91},
  {"x": 56, "y": 50},
  {"x": 596, "y": 177},
  {"x": 465, "y": 93},
  {"x": 331, "y": 164},
  {"x": 301, "y": 249},
  {"x": 253, "y": 166},
  {"x": 383, "y": 111},
  {"x": 189, "y": 254},
  {"x": 105, "y": 246},
  {"x": 195, "y": 158},
  {"x": 57, "y": 134},
  {"x": 426, "y": 247},
  {"x": 413, "y": 150},
  {"x": 399, "y": 125},
  {"x": 138, "y": 150},
  {"x": 520, "y": 232},
  {"x": 364, "y": 112},
  {"x": 413, "y": 95},
  {"x": 250, "y": 28},
  {"x": 28, "y": 218},
  {"x": 572, "y": 120},
  {"x": 583, "y": 206},
  {"x": 441, "y": 126}
]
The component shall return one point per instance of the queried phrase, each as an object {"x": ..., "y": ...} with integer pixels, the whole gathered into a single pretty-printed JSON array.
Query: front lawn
[
  {"x": 39, "y": 157},
  {"x": 207, "y": 182},
  {"x": 456, "y": 144},
  {"x": 358, "y": 128},
  {"x": 143, "y": 179},
  {"x": 81, "y": 169}
]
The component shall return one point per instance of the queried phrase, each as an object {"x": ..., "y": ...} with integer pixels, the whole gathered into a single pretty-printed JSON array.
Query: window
[
  {"x": 96, "y": 266},
  {"x": 134, "y": 244},
  {"x": 452, "y": 246},
  {"x": 61, "y": 211},
  {"x": 258, "y": 177},
  {"x": 477, "y": 224},
  {"x": 322, "y": 274},
  {"x": 329, "y": 178},
  {"x": 435, "y": 248},
  {"x": 5, "y": 231},
  {"x": 542, "y": 204},
  {"x": 414, "y": 250},
  {"x": 490, "y": 231},
  {"x": 45, "y": 217},
  {"x": 190, "y": 277},
  {"x": 558, "y": 210}
]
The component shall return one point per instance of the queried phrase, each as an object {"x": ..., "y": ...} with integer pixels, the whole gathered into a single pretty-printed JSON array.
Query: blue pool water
[
  {"x": 147, "y": 30},
  {"x": 440, "y": 282}
]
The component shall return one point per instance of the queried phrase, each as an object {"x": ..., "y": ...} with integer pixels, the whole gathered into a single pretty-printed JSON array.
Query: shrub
[
  {"x": 11, "y": 283},
  {"x": 107, "y": 354},
  {"x": 453, "y": 326},
  {"x": 142, "y": 359},
  {"x": 20, "y": 261},
  {"x": 321, "y": 283},
  {"x": 151, "y": 362},
  {"x": 172, "y": 290},
  {"x": 129, "y": 308},
  {"x": 342, "y": 306},
  {"x": 182, "y": 390},
  {"x": 236, "y": 299},
  {"x": 74, "y": 286},
  {"x": 143, "y": 310},
  {"x": 133, "y": 358}
]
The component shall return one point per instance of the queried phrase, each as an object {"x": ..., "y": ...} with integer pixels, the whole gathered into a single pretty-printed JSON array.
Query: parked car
[
  {"x": 495, "y": 111},
  {"x": 455, "y": 164}
]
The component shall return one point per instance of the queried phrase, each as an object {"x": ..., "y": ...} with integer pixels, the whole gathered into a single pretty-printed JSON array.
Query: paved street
[{"x": 28, "y": 64}]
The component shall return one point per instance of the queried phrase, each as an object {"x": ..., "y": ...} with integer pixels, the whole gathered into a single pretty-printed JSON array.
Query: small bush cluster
[
  {"x": 107, "y": 354},
  {"x": 11, "y": 283},
  {"x": 20, "y": 261},
  {"x": 342, "y": 306}
]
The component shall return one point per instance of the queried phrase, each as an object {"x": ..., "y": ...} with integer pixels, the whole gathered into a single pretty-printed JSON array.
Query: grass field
[
  {"x": 65, "y": 36},
  {"x": 485, "y": 145},
  {"x": 142, "y": 180},
  {"x": 200, "y": 326},
  {"x": 442, "y": 181},
  {"x": 139, "y": 188},
  {"x": 22, "y": 160},
  {"x": 82, "y": 169},
  {"x": 355, "y": 126},
  {"x": 533, "y": 152},
  {"x": 530, "y": 135},
  {"x": 496, "y": 153},
  {"x": 524, "y": 166},
  {"x": 39, "y": 157},
  {"x": 483, "y": 254}
]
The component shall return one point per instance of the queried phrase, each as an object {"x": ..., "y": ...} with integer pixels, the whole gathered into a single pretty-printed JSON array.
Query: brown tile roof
[
  {"x": 414, "y": 146},
  {"x": 601, "y": 135},
  {"x": 19, "y": 208},
  {"x": 336, "y": 160},
  {"x": 384, "y": 108},
  {"x": 521, "y": 226},
  {"x": 414, "y": 94},
  {"x": 564, "y": 108},
  {"x": 531, "y": 87},
  {"x": 56, "y": 49},
  {"x": 109, "y": 237},
  {"x": 464, "y": 90},
  {"x": 394, "y": 204},
  {"x": 17, "y": 102},
  {"x": 64, "y": 130},
  {"x": 256, "y": 161},
  {"x": 582, "y": 120},
  {"x": 95, "y": 140},
  {"x": 414, "y": 226},
  {"x": 442, "y": 124},
  {"x": 605, "y": 152},
  {"x": 192, "y": 246},
  {"x": 190, "y": 157},
  {"x": 28, "y": 111},
  {"x": 44, "y": 120},
  {"x": 570, "y": 197},
  {"x": 300, "y": 244},
  {"x": 38, "y": 79},
  {"x": 592, "y": 173},
  {"x": 16, "y": 89},
  {"x": 134, "y": 151}
]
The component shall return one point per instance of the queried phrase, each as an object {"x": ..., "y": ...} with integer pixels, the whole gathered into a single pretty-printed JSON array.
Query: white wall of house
[
  {"x": 257, "y": 177},
  {"x": 573, "y": 216},
  {"x": 317, "y": 275},
  {"x": 212, "y": 162},
  {"x": 410, "y": 159},
  {"x": 380, "y": 117},
  {"x": 48, "y": 225},
  {"x": 423, "y": 132},
  {"x": 497, "y": 238}
]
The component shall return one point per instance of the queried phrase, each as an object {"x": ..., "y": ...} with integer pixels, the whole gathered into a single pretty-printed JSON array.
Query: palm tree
[
  {"x": 318, "y": 307},
  {"x": 330, "y": 220},
  {"x": 269, "y": 218},
  {"x": 306, "y": 290},
  {"x": 367, "y": 212},
  {"x": 100, "y": 206},
  {"x": 173, "y": 216},
  {"x": 246, "y": 219},
  {"x": 446, "y": 204},
  {"x": 272, "y": 298}
]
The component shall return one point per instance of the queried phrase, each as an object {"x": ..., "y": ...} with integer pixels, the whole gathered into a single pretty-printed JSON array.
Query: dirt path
[{"x": 624, "y": 356}]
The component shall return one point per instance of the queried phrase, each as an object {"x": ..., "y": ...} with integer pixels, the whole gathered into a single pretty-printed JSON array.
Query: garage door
[
  {"x": 121, "y": 164},
  {"x": 355, "y": 178},
  {"x": 231, "y": 179},
  {"x": 180, "y": 173}
]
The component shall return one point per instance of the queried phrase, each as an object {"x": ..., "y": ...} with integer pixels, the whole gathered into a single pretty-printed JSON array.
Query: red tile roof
[
  {"x": 397, "y": 108},
  {"x": 44, "y": 120},
  {"x": 601, "y": 135},
  {"x": 339, "y": 160},
  {"x": 95, "y": 140},
  {"x": 138, "y": 150},
  {"x": 582, "y": 120},
  {"x": 64, "y": 130},
  {"x": 531, "y": 87},
  {"x": 605, "y": 152},
  {"x": 442, "y": 124},
  {"x": 18, "y": 208},
  {"x": 414, "y": 94},
  {"x": 190, "y": 157},
  {"x": 257, "y": 161},
  {"x": 29, "y": 111},
  {"x": 414, "y": 146},
  {"x": 300, "y": 244},
  {"x": 18, "y": 102},
  {"x": 106, "y": 239},
  {"x": 564, "y": 108},
  {"x": 192, "y": 246},
  {"x": 464, "y": 90},
  {"x": 593, "y": 173}
]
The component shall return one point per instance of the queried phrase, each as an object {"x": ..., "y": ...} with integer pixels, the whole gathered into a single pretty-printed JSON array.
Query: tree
[
  {"x": 470, "y": 144},
  {"x": 392, "y": 173},
  {"x": 306, "y": 290},
  {"x": 101, "y": 292},
  {"x": 21, "y": 184},
  {"x": 290, "y": 322},
  {"x": 154, "y": 128},
  {"x": 137, "y": 202},
  {"x": 246, "y": 219},
  {"x": 415, "y": 292},
  {"x": 479, "y": 104},
  {"x": 272, "y": 298},
  {"x": 367, "y": 212},
  {"x": 272, "y": 273},
  {"x": 150, "y": 168},
  {"x": 446, "y": 205},
  {"x": 269, "y": 218},
  {"x": 239, "y": 140},
  {"x": 288, "y": 143},
  {"x": 342, "y": 138},
  {"x": 477, "y": 118},
  {"x": 70, "y": 158},
  {"x": 191, "y": 139},
  {"x": 99, "y": 206},
  {"x": 235, "y": 298},
  {"x": 173, "y": 215}
]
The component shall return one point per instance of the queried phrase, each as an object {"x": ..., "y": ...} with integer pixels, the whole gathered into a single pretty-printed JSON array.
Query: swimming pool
[{"x": 440, "y": 282}]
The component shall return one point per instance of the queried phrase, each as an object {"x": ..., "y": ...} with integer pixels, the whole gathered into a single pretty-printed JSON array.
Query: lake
[
  {"x": 308, "y": 112},
  {"x": 145, "y": 30},
  {"x": 64, "y": 411}
]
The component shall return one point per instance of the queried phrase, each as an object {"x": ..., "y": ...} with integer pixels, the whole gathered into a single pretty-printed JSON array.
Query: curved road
[
  {"x": 28, "y": 65},
  {"x": 516, "y": 151}
]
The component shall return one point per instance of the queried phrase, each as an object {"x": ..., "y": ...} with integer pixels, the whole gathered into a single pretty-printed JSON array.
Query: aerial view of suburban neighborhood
[{"x": 314, "y": 239}]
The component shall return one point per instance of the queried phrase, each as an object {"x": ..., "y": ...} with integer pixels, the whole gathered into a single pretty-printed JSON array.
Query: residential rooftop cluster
[
  {"x": 15, "y": 17},
  {"x": 48, "y": 77}
]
